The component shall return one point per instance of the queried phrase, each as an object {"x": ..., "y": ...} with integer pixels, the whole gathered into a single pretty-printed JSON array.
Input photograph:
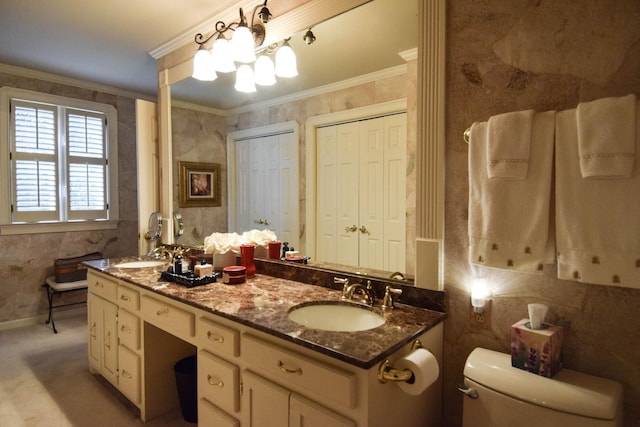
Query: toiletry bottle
[
  {"x": 177, "y": 264},
  {"x": 285, "y": 248}
]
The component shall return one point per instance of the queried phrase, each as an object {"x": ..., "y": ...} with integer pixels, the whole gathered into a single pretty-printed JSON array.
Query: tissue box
[{"x": 537, "y": 351}]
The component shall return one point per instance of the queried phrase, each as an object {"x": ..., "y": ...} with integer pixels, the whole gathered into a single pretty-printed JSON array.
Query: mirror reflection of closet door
[
  {"x": 361, "y": 169},
  {"x": 267, "y": 185}
]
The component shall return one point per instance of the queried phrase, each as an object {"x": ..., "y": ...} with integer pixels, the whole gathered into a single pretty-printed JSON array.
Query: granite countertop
[{"x": 263, "y": 302}]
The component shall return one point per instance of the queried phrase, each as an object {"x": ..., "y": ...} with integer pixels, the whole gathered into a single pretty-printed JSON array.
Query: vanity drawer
[
  {"x": 209, "y": 415},
  {"x": 218, "y": 381},
  {"x": 129, "y": 374},
  {"x": 217, "y": 338},
  {"x": 101, "y": 285},
  {"x": 128, "y": 298},
  {"x": 129, "y": 329},
  {"x": 291, "y": 369},
  {"x": 169, "y": 317}
]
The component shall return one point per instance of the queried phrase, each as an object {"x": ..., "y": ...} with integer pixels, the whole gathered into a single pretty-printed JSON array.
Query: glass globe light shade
[
  {"x": 222, "y": 56},
  {"x": 244, "y": 79},
  {"x": 243, "y": 45},
  {"x": 203, "y": 66},
  {"x": 286, "y": 65},
  {"x": 265, "y": 71}
]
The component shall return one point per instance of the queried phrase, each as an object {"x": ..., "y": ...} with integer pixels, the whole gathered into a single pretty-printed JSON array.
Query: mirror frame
[{"x": 430, "y": 112}]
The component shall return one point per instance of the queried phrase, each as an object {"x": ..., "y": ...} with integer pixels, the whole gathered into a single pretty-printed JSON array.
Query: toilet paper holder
[{"x": 386, "y": 372}]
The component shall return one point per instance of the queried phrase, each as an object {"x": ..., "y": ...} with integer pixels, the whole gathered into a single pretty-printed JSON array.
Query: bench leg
[{"x": 50, "y": 294}]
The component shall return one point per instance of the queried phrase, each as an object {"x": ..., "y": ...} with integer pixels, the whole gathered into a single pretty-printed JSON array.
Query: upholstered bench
[{"x": 54, "y": 288}]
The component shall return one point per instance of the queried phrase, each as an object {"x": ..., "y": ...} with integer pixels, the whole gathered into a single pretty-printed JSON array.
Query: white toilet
[{"x": 498, "y": 395}]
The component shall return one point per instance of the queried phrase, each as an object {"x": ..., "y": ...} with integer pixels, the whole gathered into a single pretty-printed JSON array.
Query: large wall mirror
[{"x": 352, "y": 44}]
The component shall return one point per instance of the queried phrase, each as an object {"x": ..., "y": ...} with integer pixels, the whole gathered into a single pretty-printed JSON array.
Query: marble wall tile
[
  {"x": 199, "y": 137},
  {"x": 26, "y": 260},
  {"x": 505, "y": 55}
]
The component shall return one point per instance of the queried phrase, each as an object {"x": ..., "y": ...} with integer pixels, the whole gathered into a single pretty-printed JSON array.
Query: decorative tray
[{"x": 187, "y": 278}]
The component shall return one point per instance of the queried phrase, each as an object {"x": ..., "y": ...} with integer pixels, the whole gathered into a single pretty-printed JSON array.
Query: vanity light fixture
[
  {"x": 479, "y": 293},
  {"x": 241, "y": 49}
]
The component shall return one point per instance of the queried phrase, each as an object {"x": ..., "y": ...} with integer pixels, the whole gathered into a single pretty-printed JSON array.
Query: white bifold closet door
[{"x": 361, "y": 190}]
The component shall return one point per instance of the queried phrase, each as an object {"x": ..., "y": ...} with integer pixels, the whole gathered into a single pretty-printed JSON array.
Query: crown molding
[
  {"x": 332, "y": 87},
  {"x": 69, "y": 81}
]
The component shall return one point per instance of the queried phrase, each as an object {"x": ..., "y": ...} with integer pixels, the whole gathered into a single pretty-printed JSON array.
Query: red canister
[
  {"x": 234, "y": 274},
  {"x": 274, "y": 249}
]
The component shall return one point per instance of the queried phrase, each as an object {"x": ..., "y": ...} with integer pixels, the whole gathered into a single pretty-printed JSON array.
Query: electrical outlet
[{"x": 482, "y": 320}]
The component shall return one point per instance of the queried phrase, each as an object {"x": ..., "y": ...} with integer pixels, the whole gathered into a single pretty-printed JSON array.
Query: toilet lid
[{"x": 568, "y": 391}]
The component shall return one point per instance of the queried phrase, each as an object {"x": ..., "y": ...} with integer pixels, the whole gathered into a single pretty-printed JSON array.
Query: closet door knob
[
  {"x": 351, "y": 229},
  {"x": 364, "y": 230}
]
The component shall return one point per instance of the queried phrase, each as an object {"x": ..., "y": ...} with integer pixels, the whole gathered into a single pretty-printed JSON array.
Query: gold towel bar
[{"x": 467, "y": 135}]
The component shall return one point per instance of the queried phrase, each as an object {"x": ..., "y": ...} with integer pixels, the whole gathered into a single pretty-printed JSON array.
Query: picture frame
[{"x": 199, "y": 185}]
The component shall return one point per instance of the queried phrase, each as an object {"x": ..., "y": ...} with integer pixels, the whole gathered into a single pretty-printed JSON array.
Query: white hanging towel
[
  {"x": 508, "y": 144},
  {"x": 510, "y": 220},
  {"x": 607, "y": 137},
  {"x": 597, "y": 220}
]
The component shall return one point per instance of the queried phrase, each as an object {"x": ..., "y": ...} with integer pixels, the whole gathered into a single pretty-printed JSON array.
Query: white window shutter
[{"x": 34, "y": 163}]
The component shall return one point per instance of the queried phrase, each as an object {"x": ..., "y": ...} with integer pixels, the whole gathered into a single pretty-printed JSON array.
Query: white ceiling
[{"x": 108, "y": 42}]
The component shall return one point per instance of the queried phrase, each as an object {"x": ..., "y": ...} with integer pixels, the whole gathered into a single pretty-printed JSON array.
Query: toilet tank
[{"x": 511, "y": 397}]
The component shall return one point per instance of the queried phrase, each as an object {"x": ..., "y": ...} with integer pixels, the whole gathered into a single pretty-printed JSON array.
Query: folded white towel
[
  {"x": 510, "y": 221},
  {"x": 606, "y": 137},
  {"x": 597, "y": 219},
  {"x": 508, "y": 144}
]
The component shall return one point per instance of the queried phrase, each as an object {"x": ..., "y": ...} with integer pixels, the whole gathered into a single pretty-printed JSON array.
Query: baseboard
[{"x": 29, "y": 321}]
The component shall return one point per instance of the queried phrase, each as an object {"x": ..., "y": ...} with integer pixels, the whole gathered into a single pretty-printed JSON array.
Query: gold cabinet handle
[
  {"x": 364, "y": 230},
  {"x": 214, "y": 381},
  {"x": 288, "y": 370},
  {"x": 212, "y": 337},
  {"x": 125, "y": 329},
  {"x": 126, "y": 374},
  {"x": 163, "y": 312},
  {"x": 93, "y": 330},
  {"x": 107, "y": 343},
  {"x": 351, "y": 229},
  {"x": 125, "y": 298}
]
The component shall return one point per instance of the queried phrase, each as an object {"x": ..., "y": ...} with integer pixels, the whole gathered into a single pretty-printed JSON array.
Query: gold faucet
[
  {"x": 161, "y": 252},
  {"x": 365, "y": 294},
  {"x": 387, "y": 301}
]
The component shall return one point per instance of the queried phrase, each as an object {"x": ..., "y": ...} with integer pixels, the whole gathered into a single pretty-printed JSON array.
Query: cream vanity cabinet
[
  {"x": 114, "y": 334},
  {"x": 245, "y": 377}
]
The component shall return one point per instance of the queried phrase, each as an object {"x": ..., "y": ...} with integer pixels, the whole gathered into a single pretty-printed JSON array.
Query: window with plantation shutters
[{"x": 57, "y": 159}]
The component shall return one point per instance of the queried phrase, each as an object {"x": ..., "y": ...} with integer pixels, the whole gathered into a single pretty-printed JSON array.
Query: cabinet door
[
  {"x": 264, "y": 403},
  {"x": 94, "y": 314},
  {"x": 110, "y": 342},
  {"x": 307, "y": 413},
  {"x": 129, "y": 378}
]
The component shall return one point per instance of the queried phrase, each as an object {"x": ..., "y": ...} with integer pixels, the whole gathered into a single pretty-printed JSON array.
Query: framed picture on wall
[{"x": 199, "y": 184}]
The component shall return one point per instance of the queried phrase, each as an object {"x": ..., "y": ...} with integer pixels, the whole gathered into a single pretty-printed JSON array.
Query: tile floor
[{"x": 45, "y": 380}]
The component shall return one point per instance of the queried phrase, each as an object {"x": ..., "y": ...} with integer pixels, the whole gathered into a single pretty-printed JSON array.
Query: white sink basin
[
  {"x": 141, "y": 264},
  {"x": 335, "y": 316}
]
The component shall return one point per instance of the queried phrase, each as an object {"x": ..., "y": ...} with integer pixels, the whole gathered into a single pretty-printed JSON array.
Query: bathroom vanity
[{"x": 255, "y": 366}]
